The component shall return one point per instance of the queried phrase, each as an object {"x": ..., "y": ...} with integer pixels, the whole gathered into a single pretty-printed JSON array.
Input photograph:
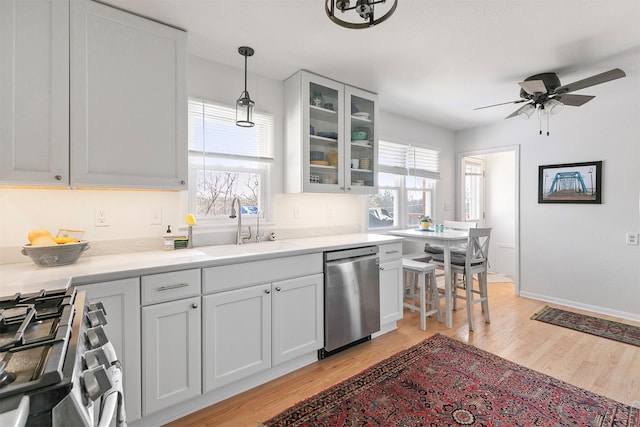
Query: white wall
[{"x": 575, "y": 254}]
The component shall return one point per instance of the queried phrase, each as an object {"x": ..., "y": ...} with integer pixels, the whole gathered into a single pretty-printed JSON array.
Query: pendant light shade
[{"x": 244, "y": 104}]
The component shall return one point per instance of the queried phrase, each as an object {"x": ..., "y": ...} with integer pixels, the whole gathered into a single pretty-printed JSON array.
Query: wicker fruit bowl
[{"x": 55, "y": 255}]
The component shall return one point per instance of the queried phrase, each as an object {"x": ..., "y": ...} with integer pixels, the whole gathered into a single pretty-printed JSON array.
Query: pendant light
[
  {"x": 244, "y": 104},
  {"x": 364, "y": 10}
]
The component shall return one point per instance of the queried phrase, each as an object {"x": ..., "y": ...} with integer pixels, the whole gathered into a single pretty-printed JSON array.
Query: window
[
  {"x": 406, "y": 183},
  {"x": 473, "y": 189},
  {"x": 226, "y": 160}
]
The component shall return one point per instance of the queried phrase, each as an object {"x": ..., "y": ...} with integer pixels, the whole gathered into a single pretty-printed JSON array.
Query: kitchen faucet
[{"x": 240, "y": 236}]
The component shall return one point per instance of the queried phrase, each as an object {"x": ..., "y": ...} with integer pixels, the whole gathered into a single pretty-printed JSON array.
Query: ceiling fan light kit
[
  {"x": 339, "y": 11},
  {"x": 545, "y": 94}
]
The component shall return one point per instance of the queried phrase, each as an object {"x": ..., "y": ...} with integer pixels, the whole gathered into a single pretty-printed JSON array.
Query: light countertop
[{"x": 27, "y": 277}]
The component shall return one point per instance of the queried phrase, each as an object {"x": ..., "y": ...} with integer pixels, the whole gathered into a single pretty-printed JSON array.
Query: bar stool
[{"x": 427, "y": 290}]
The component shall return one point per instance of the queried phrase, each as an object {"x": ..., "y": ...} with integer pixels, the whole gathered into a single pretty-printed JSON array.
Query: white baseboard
[{"x": 593, "y": 308}]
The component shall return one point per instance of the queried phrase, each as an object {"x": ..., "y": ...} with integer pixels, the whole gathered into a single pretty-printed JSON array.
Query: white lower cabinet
[
  {"x": 391, "y": 292},
  {"x": 249, "y": 330},
  {"x": 121, "y": 300},
  {"x": 171, "y": 352},
  {"x": 171, "y": 338}
]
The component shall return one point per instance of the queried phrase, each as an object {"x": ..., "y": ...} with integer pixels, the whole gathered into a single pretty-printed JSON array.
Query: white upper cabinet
[
  {"x": 34, "y": 92},
  {"x": 322, "y": 118},
  {"x": 90, "y": 96},
  {"x": 128, "y": 100}
]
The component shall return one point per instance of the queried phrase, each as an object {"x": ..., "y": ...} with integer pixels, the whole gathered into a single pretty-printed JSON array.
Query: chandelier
[{"x": 364, "y": 10}]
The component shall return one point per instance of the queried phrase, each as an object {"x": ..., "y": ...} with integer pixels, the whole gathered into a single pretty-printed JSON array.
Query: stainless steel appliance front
[{"x": 352, "y": 296}]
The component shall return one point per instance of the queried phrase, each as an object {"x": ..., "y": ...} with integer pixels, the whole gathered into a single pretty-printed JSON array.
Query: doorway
[{"x": 488, "y": 192}]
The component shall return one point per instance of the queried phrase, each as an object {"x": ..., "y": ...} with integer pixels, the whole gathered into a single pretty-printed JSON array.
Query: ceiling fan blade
[
  {"x": 517, "y": 112},
  {"x": 616, "y": 73},
  {"x": 502, "y": 103},
  {"x": 533, "y": 86},
  {"x": 574, "y": 100}
]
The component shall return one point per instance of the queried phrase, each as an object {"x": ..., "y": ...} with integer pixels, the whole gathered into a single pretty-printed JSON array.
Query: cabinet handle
[
  {"x": 169, "y": 287},
  {"x": 58, "y": 177},
  {"x": 278, "y": 288},
  {"x": 391, "y": 252},
  {"x": 267, "y": 291},
  {"x": 194, "y": 305}
]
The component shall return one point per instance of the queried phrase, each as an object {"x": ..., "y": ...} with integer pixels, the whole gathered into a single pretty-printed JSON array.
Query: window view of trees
[{"x": 216, "y": 189}]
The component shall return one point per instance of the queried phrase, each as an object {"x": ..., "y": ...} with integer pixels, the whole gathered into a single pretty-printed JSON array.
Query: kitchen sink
[{"x": 248, "y": 249}]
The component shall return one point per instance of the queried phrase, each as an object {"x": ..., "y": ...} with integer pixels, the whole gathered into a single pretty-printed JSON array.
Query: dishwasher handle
[
  {"x": 350, "y": 253},
  {"x": 352, "y": 259}
]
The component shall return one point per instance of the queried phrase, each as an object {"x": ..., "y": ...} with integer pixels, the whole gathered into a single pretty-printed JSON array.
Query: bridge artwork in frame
[{"x": 570, "y": 183}]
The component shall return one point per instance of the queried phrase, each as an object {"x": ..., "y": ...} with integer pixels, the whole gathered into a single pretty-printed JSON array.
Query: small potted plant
[{"x": 425, "y": 222}]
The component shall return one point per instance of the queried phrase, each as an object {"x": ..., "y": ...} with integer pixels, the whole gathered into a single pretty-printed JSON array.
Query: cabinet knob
[
  {"x": 58, "y": 177},
  {"x": 381, "y": 268},
  {"x": 278, "y": 288},
  {"x": 183, "y": 182},
  {"x": 194, "y": 305},
  {"x": 267, "y": 291},
  {"x": 348, "y": 188}
]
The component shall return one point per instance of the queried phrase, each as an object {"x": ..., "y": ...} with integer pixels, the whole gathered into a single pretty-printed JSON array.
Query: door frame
[{"x": 460, "y": 195}]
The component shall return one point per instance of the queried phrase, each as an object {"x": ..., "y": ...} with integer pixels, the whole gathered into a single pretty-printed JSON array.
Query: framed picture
[{"x": 570, "y": 183}]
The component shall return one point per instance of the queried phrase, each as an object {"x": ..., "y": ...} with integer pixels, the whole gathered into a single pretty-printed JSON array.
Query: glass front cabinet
[{"x": 331, "y": 136}]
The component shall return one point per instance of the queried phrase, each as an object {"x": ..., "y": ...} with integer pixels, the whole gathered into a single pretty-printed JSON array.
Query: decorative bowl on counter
[{"x": 55, "y": 255}]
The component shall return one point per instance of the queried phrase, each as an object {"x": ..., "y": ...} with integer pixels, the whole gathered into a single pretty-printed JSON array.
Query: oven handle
[{"x": 112, "y": 402}]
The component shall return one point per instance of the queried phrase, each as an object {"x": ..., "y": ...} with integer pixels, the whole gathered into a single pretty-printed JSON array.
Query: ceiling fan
[{"x": 544, "y": 93}]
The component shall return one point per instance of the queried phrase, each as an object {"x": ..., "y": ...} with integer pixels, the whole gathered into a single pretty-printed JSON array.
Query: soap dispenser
[{"x": 168, "y": 240}]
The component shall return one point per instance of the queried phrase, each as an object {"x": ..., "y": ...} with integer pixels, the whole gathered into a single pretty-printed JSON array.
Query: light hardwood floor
[{"x": 603, "y": 366}]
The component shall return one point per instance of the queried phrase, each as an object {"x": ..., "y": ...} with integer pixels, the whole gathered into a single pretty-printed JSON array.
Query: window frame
[
  {"x": 225, "y": 162},
  {"x": 403, "y": 187}
]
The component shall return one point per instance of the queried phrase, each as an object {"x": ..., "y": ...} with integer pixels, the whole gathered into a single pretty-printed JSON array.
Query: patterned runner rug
[
  {"x": 592, "y": 325},
  {"x": 443, "y": 382}
]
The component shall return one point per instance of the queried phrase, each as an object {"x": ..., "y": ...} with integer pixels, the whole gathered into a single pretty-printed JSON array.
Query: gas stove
[{"x": 56, "y": 361}]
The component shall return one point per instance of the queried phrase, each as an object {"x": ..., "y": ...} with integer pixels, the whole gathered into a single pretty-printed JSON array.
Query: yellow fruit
[
  {"x": 43, "y": 241},
  {"x": 34, "y": 234},
  {"x": 63, "y": 240}
]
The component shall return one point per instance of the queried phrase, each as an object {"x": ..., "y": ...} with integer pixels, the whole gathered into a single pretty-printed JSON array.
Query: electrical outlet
[
  {"x": 296, "y": 212},
  {"x": 632, "y": 239},
  {"x": 155, "y": 216},
  {"x": 329, "y": 211},
  {"x": 101, "y": 218}
]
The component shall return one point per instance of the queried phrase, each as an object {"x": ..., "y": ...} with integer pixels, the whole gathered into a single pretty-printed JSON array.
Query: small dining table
[{"x": 446, "y": 238}]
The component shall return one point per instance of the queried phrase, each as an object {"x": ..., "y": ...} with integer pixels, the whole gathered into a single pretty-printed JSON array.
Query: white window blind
[
  {"x": 214, "y": 132},
  {"x": 402, "y": 159}
]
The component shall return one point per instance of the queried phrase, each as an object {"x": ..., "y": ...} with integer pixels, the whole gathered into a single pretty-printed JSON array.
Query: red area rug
[
  {"x": 591, "y": 325},
  {"x": 443, "y": 382}
]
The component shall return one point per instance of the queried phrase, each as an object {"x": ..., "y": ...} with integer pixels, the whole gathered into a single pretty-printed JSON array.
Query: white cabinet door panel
[
  {"x": 236, "y": 335},
  {"x": 298, "y": 326},
  {"x": 34, "y": 92},
  {"x": 171, "y": 350},
  {"x": 128, "y": 100},
  {"x": 391, "y": 292}
]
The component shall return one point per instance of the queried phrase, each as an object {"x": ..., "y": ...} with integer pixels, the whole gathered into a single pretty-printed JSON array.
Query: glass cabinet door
[
  {"x": 324, "y": 155},
  {"x": 361, "y": 146}
]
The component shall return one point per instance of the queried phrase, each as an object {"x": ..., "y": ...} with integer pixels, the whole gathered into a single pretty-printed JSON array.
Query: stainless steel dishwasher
[{"x": 351, "y": 298}]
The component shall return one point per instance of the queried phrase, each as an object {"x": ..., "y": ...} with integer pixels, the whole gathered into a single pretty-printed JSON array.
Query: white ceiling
[{"x": 433, "y": 60}]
